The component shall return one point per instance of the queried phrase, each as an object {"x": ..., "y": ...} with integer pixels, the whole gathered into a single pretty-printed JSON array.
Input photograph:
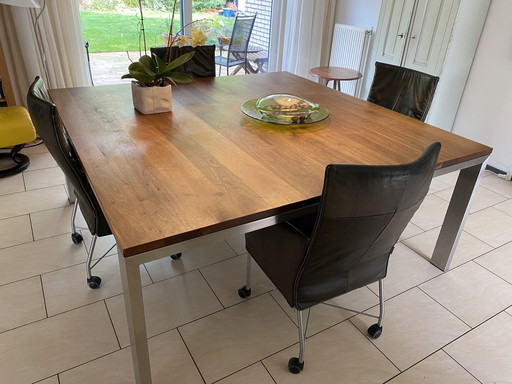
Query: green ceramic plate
[{"x": 249, "y": 108}]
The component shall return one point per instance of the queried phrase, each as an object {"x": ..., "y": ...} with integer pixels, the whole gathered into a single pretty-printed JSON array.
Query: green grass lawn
[{"x": 115, "y": 32}]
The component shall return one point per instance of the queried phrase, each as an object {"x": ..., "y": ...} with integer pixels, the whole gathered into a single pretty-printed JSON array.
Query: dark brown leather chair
[
  {"x": 346, "y": 244},
  {"x": 403, "y": 90},
  {"x": 49, "y": 128},
  {"x": 201, "y": 65}
]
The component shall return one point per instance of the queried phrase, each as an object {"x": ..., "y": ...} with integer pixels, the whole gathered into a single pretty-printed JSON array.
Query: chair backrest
[
  {"x": 403, "y": 90},
  {"x": 202, "y": 63},
  {"x": 49, "y": 127},
  {"x": 240, "y": 37},
  {"x": 363, "y": 211}
]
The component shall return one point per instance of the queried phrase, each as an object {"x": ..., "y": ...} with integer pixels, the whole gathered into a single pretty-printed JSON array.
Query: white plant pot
[{"x": 149, "y": 100}]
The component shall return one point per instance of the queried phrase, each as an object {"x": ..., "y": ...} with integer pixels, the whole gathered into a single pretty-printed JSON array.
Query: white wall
[
  {"x": 484, "y": 113},
  {"x": 360, "y": 13}
]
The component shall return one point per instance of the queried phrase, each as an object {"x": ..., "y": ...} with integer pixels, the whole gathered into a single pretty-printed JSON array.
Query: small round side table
[{"x": 336, "y": 74}]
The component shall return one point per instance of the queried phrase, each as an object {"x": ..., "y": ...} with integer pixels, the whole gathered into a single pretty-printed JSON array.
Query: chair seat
[
  {"x": 16, "y": 129},
  {"x": 15, "y": 126},
  {"x": 223, "y": 60}
]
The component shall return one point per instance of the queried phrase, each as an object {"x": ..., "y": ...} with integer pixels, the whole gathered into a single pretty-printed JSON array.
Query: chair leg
[
  {"x": 20, "y": 160},
  {"x": 296, "y": 364},
  {"x": 245, "y": 291},
  {"x": 376, "y": 329},
  {"x": 92, "y": 281},
  {"x": 76, "y": 237}
]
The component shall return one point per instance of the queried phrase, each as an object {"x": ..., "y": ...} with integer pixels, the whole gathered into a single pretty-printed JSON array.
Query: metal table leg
[
  {"x": 458, "y": 210},
  {"x": 132, "y": 287}
]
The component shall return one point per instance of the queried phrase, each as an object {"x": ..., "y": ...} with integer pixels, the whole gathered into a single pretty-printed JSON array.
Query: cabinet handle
[
  {"x": 401, "y": 35},
  {"x": 413, "y": 37}
]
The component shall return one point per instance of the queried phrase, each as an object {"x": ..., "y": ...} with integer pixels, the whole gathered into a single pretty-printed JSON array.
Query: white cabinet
[{"x": 415, "y": 33}]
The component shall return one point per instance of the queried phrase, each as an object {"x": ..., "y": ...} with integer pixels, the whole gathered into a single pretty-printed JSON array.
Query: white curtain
[
  {"x": 56, "y": 40},
  {"x": 301, "y": 35}
]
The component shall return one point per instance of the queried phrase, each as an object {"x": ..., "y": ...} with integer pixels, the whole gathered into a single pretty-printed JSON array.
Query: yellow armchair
[{"x": 16, "y": 130}]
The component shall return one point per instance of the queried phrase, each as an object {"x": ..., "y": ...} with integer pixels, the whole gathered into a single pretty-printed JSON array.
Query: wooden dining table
[{"x": 173, "y": 181}]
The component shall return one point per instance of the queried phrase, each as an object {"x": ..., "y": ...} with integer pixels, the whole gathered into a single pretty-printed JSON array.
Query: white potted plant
[{"x": 154, "y": 77}]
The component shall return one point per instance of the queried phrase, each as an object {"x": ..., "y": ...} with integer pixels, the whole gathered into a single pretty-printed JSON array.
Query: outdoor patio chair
[{"x": 238, "y": 44}]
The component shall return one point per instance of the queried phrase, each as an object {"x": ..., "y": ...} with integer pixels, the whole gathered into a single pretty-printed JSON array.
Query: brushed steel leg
[
  {"x": 132, "y": 287},
  {"x": 458, "y": 210}
]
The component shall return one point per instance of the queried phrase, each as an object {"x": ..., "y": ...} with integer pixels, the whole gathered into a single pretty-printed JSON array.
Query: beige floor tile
[
  {"x": 41, "y": 161},
  {"x": 22, "y": 203},
  {"x": 431, "y": 213},
  {"x": 498, "y": 262},
  {"x": 170, "y": 363},
  {"x": 44, "y": 348},
  {"x": 414, "y": 327},
  {"x": 491, "y": 226},
  {"x": 21, "y": 303},
  {"x": 506, "y": 207},
  {"x": 468, "y": 248},
  {"x": 406, "y": 269},
  {"x": 42, "y": 178},
  {"x": 226, "y": 277},
  {"x": 195, "y": 258},
  {"x": 50, "y": 380},
  {"x": 32, "y": 149},
  {"x": 167, "y": 304},
  {"x": 449, "y": 178},
  {"x": 12, "y": 184},
  {"x": 52, "y": 222},
  {"x": 104, "y": 244},
  {"x": 324, "y": 316},
  {"x": 485, "y": 351},
  {"x": 237, "y": 243},
  {"x": 338, "y": 355},
  {"x": 465, "y": 291},
  {"x": 436, "y": 369},
  {"x": 410, "y": 231},
  {"x": 14, "y": 231},
  {"x": 484, "y": 198},
  {"x": 498, "y": 185},
  {"x": 38, "y": 257},
  {"x": 238, "y": 337},
  {"x": 437, "y": 185},
  {"x": 255, "y": 374},
  {"x": 67, "y": 288}
]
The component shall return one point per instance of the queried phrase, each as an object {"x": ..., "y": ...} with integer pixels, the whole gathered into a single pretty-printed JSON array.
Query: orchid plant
[{"x": 150, "y": 71}]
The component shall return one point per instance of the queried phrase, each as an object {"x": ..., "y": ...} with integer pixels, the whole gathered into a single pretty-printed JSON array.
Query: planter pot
[
  {"x": 228, "y": 12},
  {"x": 149, "y": 100}
]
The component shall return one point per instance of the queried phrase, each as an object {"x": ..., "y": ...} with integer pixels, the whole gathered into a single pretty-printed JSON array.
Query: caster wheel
[
  {"x": 94, "y": 282},
  {"x": 76, "y": 238},
  {"x": 244, "y": 292},
  {"x": 294, "y": 366},
  {"x": 375, "y": 331},
  {"x": 176, "y": 256}
]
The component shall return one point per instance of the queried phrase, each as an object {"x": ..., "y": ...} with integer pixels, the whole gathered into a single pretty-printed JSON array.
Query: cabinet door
[
  {"x": 430, "y": 34},
  {"x": 394, "y": 22}
]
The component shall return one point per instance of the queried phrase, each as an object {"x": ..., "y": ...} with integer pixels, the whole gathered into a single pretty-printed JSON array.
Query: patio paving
[{"x": 108, "y": 67}]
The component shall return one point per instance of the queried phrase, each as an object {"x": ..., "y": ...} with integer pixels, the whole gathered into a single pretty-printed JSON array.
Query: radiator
[{"x": 350, "y": 49}]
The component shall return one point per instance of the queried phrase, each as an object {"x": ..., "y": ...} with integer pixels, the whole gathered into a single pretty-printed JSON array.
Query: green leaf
[
  {"x": 149, "y": 64},
  {"x": 179, "y": 61},
  {"x": 180, "y": 77}
]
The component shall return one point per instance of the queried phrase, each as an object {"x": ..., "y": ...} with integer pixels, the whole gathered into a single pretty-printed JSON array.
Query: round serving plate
[{"x": 250, "y": 109}]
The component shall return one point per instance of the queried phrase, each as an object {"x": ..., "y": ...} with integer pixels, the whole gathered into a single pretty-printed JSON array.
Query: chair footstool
[{"x": 16, "y": 130}]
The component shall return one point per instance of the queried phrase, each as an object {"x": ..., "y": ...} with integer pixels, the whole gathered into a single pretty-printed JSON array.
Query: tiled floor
[{"x": 453, "y": 327}]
